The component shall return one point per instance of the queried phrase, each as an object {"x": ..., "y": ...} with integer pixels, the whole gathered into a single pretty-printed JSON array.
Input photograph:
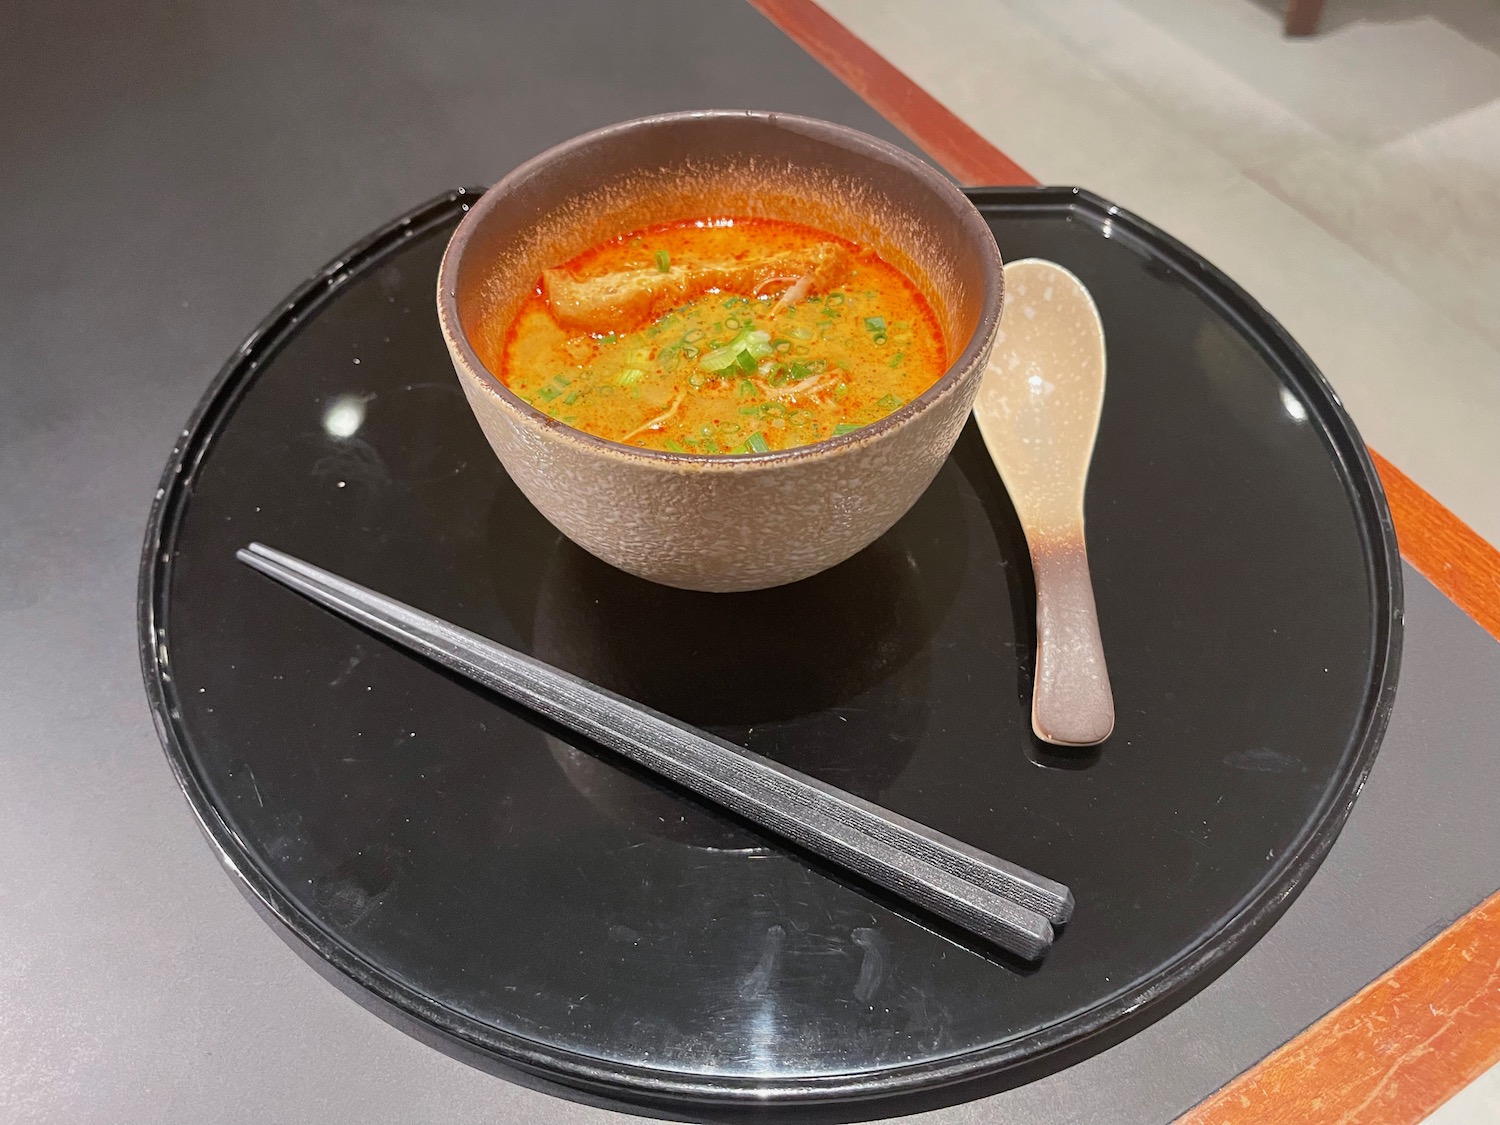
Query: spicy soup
[{"x": 722, "y": 335}]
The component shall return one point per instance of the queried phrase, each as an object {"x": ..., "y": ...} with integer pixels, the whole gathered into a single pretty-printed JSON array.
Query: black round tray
[{"x": 520, "y": 898}]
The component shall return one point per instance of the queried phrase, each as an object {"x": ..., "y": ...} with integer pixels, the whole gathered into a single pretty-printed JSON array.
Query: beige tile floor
[{"x": 1351, "y": 181}]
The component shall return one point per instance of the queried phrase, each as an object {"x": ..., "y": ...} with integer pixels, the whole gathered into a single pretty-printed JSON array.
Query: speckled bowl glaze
[{"x": 729, "y": 522}]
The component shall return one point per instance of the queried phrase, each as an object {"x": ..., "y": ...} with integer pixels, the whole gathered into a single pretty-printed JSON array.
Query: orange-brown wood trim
[
  {"x": 1391, "y": 1054},
  {"x": 1412, "y": 1039},
  {"x": 1448, "y": 552},
  {"x": 940, "y": 133}
]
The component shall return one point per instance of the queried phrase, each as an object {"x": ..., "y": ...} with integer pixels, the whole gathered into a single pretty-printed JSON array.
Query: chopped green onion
[
  {"x": 693, "y": 336},
  {"x": 844, "y": 428},
  {"x": 747, "y": 346},
  {"x": 875, "y": 323},
  {"x": 835, "y": 298},
  {"x": 758, "y": 408},
  {"x": 800, "y": 333},
  {"x": 889, "y": 402},
  {"x": 757, "y": 443},
  {"x": 800, "y": 371},
  {"x": 605, "y": 341},
  {"x": 630, "y": 376},
  {"x": 548, "y": 393},
  {"x": 897, "y": 359},
  {"x": 663, "y": 261},
  {"x": 880, "y": 337},
  {"x": 747, "y": 388},
  {"x": 673, "y": 447},
  {"x": 719, "y": 359},
  {"x": 571, "y": 399}
]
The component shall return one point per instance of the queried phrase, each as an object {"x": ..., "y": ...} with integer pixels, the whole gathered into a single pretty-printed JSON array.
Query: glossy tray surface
[{"x": 519, "y": 897}]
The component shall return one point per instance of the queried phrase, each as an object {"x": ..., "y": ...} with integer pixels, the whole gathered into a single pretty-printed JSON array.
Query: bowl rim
[{"x": 980, "y": 340}]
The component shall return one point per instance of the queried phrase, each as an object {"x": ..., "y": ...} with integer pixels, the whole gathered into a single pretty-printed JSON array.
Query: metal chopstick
[{"x": 997, "y": 900}]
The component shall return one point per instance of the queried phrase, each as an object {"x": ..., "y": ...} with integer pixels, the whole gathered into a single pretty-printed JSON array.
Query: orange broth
[{"x": 722, "y": 335}]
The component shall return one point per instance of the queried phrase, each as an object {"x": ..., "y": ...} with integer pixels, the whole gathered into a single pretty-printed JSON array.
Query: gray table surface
[{"x": 167, "y": 173}]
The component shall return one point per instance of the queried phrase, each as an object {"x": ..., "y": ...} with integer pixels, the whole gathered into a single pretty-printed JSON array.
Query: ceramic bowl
[{"x": 721, "y": 523}]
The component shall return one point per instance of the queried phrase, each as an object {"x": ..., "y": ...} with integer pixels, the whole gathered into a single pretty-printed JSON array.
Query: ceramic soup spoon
[{"x": 1038, "y": 410}]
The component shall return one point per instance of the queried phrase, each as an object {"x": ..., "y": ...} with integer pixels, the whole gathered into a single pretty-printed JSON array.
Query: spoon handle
[{"x": 1072, "y": 704}]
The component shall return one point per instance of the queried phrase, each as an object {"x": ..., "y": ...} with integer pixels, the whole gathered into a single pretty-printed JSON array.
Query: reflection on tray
[{"x": 828, "y": 675}]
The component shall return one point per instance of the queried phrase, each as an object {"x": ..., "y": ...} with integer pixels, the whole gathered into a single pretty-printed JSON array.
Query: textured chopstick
[{"x": 979, "y": 892}]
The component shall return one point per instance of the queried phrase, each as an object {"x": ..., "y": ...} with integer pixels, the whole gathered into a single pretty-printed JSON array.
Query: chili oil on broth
[{"x": 722, "y": 336}]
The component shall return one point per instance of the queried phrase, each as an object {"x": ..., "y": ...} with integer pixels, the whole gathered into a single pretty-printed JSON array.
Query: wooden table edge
[{"x": 1415, "y": 1036}]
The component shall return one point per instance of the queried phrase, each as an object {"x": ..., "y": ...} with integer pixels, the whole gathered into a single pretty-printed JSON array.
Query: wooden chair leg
[{"x": 1302, "y": 16}]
